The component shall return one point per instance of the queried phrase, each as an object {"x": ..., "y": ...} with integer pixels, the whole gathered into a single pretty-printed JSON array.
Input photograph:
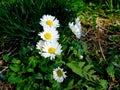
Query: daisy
[
  {"x": 51, "y": 50},
  {"x": 78, "y": 23},
  {"x": 76, "y": 28},
  {"x": 59, "y": 74},
  {"x": 49, "y": 21},
  {"x": 40, "y": 45},
  {"x": 49, "y": 34},
  {"x": 81, "y": 56}
]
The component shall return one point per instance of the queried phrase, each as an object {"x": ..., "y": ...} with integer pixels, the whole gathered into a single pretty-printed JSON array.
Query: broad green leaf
[
  {"x": 83, "y": 70},
  {"x": 15, "y": 79},
  {"x": 70, "y": 85},
  {"x": 81, "y": 64},
  {"x": 30, "y": 70},
  {"x": 111, "y": 71},
  {"x": 38, "y": 76},
  {"x": 104, "y": 84},
  {"x": 75, "y": 68},
  {"x": 91, "y": 72},
  {"x": 87, "y": 67},
  {"x": 15, "y": 67}
]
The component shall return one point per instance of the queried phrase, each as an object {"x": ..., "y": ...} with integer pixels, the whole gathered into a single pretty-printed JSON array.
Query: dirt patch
[
  {"x": 4, "y": 85},
  {"x": 98, "y": 39}
]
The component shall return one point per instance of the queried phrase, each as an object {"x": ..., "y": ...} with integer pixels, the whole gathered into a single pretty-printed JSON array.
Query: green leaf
[
  {"x": 48, "y": 77},
  {"x": 38, "y": 76},
  {"x": 14, "y": 60},
  {"x": 113, "y": 38},
  {"x": 70, "y": 85},
  {"x": 48, "y": 88},
  {"x": 6, "y": 57},
  {"x": 81, "y": 64},
  {"x": 83, "y": 70},
  {"x": 15, "y": 79},
  {"x": 87, "y": 67},
  {"x": 15, "y": 67},
  {"x": 90, "y": 88},
  {"x": 111, "y": 71},
  {"x": 36, "y": 85},
  {"x": 20, "y": 86},
  {"x": 32, "y": 62},
  {"x": 30, "y": 70},
  {"x": 91, "y": 72},
  {"x": 75, "y": 68},
  {"x": 104, "y": 84},
  {"x": 84, "y": 46}
]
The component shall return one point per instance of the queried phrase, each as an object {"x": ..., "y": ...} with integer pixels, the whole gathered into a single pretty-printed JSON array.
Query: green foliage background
[
  {"x": 20, "y": 18},
  {"x": 19, "y": 24}
]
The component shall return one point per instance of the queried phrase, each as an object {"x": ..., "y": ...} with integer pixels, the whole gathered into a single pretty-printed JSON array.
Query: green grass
[{"x": 20, "y": 19}]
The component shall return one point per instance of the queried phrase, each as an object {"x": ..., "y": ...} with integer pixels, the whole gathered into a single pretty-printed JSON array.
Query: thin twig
[
  {"x": 4, "y": 69},
  {"x": 99, "y": 43},
  {"x": 101, "y": 50},
  {"x": 12, "y": 51},
  {"x": 110, "y": 88}
]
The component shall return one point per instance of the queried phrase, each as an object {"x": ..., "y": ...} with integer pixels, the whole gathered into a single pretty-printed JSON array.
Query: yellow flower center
[
  {"x": 59, "y": 73},
  {"x": 49, "y": 22},
  {"x": 74, "y": 31},
  {"x": 51, "y": 50},
  {"x": 48, "y": 35}
]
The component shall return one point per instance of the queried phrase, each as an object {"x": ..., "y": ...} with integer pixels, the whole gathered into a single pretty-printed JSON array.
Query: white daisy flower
[
  {"x": 40, "y": 45},
  {"x": 78, "y": 23},
  {"x": 49, "y": 34},
  {"x": 59, "y": 74},
  {"x": 49, "y": 21},
  {"x": 76, "y": 28},
  {"x": 81, "y": 56},
  {"x": 51, "y": 49}
]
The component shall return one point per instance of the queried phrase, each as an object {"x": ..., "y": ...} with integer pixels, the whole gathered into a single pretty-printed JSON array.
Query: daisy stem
[{"x": 58, "y": 86}]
